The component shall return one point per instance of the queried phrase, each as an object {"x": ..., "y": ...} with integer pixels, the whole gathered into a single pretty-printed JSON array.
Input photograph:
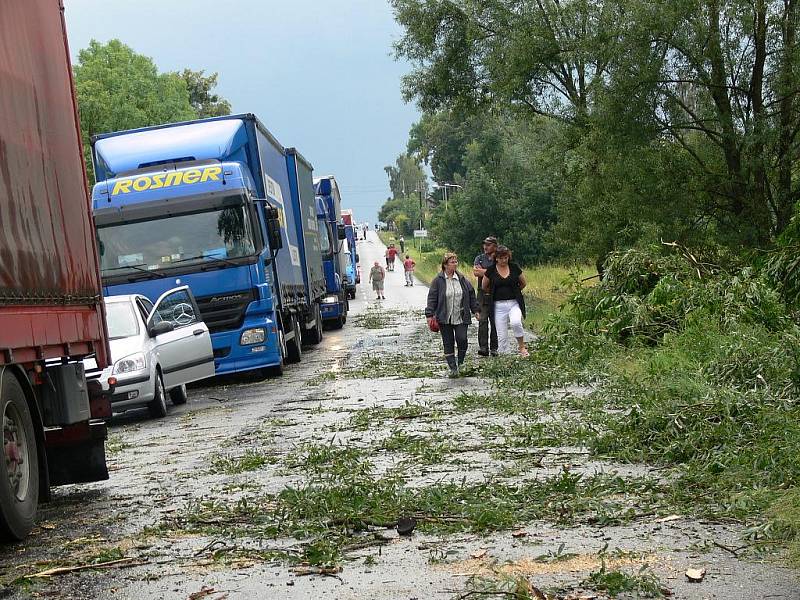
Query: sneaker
[
  {"x": 494, "y": 353},
  {"x": 453, "y": 373},
  {"x": 483, "y": 353}
]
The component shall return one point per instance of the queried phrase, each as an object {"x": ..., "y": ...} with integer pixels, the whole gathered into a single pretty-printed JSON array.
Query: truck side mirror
[
  {"x": 357, "y": 259},
  {"x": 273, "y": 228},
  {"x": 341, "y": 232}
]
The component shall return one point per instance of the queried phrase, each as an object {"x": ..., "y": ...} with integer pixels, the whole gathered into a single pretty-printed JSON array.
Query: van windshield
[{"x": 210, "y": 236}]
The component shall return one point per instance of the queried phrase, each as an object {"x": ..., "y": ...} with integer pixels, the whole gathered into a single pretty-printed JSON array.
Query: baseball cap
[{"x": 490, "y": 240}]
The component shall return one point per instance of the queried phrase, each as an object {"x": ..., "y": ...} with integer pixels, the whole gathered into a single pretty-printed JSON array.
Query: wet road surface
[{"x": 375, "y": 386}]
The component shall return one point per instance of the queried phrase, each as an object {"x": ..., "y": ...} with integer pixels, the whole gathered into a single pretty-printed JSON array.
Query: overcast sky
[{"x": 319, "y": 73}]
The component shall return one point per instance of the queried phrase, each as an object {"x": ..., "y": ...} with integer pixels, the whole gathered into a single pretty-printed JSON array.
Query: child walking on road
[
  {"x": 376, "y": 276},
  {"x": 408, "y": 267}
]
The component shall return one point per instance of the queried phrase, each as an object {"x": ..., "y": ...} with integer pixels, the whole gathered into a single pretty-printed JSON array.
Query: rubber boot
[
  {"x": 462, "y": 354},
  {"x": 451, "y": 362}
]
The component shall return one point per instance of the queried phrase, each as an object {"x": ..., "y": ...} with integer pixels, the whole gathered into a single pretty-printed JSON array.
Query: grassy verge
[
  {"x": 549, "y": 286},
  {"x": 697, "y": 372}
]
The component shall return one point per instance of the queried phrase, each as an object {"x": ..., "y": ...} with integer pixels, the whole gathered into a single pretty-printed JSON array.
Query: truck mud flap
[{"x": 79, "y": 463}]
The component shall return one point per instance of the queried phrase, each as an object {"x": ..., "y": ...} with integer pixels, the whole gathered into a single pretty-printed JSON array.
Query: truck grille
[{"x": 223, "y": 312}]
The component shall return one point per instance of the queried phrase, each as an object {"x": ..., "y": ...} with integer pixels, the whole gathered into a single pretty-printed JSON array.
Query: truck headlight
[
  {"x": 129, "y": 364},
  {"x": 330, "y": 300},
  {"x": 253, "y": 336}
]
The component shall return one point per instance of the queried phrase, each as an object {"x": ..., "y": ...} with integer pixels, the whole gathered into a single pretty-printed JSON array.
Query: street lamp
[{"x": 443, "y": 186}]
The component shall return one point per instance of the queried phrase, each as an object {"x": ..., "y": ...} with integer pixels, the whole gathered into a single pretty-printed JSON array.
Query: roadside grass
[
  {"x": 251, "y": 460},
  {"x": 695, "y": 371},
  {"x": 549, "y": 287}
]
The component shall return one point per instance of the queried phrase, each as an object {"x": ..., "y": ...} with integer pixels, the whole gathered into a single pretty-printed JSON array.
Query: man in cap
[{"x": 486, "y": 344}]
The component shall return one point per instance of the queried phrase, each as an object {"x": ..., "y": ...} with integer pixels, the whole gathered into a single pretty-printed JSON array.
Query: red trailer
[{"x": 51, "y": 311}]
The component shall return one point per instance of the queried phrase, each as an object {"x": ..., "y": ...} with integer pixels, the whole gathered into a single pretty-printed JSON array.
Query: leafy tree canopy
[
  {"x": 204, "y": 102},
  {"x": 120, "y": 89}
]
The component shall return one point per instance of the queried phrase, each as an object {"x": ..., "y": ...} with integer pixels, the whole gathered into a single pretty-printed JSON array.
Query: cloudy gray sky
[{"x": 319, "y": 73}]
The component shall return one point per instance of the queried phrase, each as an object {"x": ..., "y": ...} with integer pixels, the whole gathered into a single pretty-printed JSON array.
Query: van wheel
[
  {"x": 158, "y": 405},
  {"x": 179, "y": 395},
  {"x": 19, "y": 472},
  {"x": 294, "y": 347}
]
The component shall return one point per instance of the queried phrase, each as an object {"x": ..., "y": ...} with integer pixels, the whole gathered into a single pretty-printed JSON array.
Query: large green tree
[
  {"x": 120, "y": 89},
  {"x": 678, "y": 118},
  {"x": 201, "y": 94}
]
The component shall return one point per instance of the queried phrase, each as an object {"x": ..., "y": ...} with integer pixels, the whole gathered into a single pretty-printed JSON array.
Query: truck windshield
[
  {"x": 211, "y": 236},
  {"x": 325, "y": 240}
]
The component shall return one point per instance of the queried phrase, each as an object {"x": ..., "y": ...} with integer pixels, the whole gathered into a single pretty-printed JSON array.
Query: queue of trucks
[{"x": 217, "y": 205}]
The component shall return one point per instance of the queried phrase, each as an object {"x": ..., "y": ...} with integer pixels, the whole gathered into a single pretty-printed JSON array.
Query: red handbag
[{"x": 433, "y": 324}]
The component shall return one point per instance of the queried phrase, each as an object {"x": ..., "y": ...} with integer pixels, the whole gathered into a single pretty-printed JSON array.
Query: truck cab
[
  {"x": 335, "y": 304},
  {"x": 206, "y": 204}
]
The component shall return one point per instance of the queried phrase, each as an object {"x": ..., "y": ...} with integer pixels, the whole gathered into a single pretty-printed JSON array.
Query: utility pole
[{"x": 420, "y": 190}]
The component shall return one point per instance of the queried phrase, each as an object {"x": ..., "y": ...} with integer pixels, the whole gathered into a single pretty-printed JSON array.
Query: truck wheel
[
  {"x": 179, "y": 395},
  {"x": 158, "y": 405},
  {"x": 19, "y": 475},
  {"x": 314, "y": 334},
  {"x": 294, "y": 347},
  {"x": 339, "y": 322}
]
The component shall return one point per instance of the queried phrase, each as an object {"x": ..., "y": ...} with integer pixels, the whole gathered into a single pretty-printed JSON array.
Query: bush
[{"x": 645, "y": 295}]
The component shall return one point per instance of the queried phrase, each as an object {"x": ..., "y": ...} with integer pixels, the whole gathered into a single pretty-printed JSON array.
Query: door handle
[{"x": 198, "y": 331}]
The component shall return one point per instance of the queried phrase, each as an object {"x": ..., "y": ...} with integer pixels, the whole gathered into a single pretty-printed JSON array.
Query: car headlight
[
  {"x": 253, "y": 336},
  {"x": 129, "y": 364},
  {"x": 330, "y": 300}
]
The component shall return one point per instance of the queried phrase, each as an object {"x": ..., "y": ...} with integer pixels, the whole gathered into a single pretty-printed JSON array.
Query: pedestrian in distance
[
  {"x": 402, "y": 245},
  {"x": 376, "y": 276},
  {"x": 408, "y": 266},
  {"x": 451, "y": 304},
  {"x": 506, "y": 281},
  {"x": 487, "y": 332},
  {"x": 391, "y": 254}
]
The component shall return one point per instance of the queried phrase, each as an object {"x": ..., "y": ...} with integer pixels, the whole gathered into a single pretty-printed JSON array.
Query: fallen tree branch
[{"x": 111, "y": 564}]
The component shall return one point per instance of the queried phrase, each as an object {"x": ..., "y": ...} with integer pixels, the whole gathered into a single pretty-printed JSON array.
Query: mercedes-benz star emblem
[{"x": 183, "y": 313}]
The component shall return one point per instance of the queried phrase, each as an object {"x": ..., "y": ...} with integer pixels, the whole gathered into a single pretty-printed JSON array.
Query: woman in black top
[{"x": 506, "y": 281}]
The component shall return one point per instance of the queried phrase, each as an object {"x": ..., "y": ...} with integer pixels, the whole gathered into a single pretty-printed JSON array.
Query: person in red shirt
[
  {"x": 391, "y": 254},
  {"x": 408, "y": 267}
]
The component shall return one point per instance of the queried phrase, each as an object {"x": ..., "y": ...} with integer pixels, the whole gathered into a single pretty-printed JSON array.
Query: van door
[{"x": 184, "y": 353}]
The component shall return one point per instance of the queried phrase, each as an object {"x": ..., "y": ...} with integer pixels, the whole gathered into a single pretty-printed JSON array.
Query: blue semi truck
[
  {"x": 329, "y": 211},
  {"x": 221, "y": 206}
]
